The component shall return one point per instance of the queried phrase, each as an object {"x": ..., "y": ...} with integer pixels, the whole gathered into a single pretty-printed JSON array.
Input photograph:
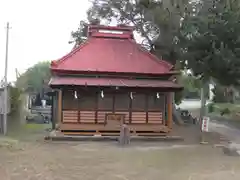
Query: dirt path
[
  {"x": 231, "y": 133},
  {"x": 215, "y": 125}
]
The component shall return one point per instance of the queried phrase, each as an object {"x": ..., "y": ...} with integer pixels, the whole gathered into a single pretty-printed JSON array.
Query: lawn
[
  {"x": 27, "y": 131},
  {"x": 232, "y": 107},
  {"x": 231, "y": 118}
]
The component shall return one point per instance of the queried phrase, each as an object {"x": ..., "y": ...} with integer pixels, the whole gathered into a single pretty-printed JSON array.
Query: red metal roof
[
  {"x": 55, "y": 81},
  {"x": 111, "y": 52}
]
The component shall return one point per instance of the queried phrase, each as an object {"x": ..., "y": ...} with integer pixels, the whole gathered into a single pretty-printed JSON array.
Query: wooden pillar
[
  {"x": 96, "y": 108},
  {"x": 114, "y": 103},
  {"x": 146, "y": 106},
  {"x": 59, "y": 107},
  {"x": 130, "y": 111},
  {"x": 170, "y": 110}
]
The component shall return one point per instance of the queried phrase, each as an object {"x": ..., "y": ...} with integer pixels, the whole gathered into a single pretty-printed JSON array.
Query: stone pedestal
[{"x": 124, "y": 137}]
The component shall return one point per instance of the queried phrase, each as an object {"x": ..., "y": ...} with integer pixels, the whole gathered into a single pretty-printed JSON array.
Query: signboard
[
  {"x": 205, "y": 124},
  {"x": 114, "y": 118}
]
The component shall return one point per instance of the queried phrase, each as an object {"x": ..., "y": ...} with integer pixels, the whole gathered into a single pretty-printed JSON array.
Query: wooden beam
[
  {"x": 114, "y": 103},
  {"x": 130, "y": 111},
  {"x": 60, "y": 99},
  {"x": 79, "y": 113},
  {"x": 101, "y": 127},
  {"x": 146, "y": 106},
  {"x": 96, "y": 108},
  {"x": 170, "y": 110}
]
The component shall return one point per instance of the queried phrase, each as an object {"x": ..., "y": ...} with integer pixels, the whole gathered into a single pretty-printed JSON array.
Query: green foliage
[
  {"x": 149, "y": 17},
  {"x": 210, "y": 40},
  {"x": 192, "y": 86},
  {"x": 35, "y": 78},
  {"x": 178, "y": 97},
  {"x": 225, "y": 111},
  {"x": 15, "y": 99},
  {"x": 80, "y": 35},
  {"x": 211, "y": 107}
]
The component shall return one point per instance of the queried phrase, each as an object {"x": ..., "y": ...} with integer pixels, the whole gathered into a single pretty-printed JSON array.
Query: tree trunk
[{"x": 203, "y": 101}]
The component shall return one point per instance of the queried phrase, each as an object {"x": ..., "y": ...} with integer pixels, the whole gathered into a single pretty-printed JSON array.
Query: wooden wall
[{"x": 91, "y": 108}]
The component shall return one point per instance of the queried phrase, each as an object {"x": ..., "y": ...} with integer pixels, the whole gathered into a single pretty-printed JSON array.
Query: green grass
[
  {"x": 232, "y": 107},
  {"x": 27, "y": 131},
  {"x": 231, "y": 118},
  {"x": 19, "y": 130}
]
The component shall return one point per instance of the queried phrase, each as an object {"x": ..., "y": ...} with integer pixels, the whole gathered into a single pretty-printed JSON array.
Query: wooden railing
[
  {"x": 70, "y": 116},
  {"x": 90, "y": 117},
  {"x": 155, "y": 118},
  {"x": 87, "y": 116},
  {"x": 139, "y": 117},
  {"x": 101, "y": 116}
]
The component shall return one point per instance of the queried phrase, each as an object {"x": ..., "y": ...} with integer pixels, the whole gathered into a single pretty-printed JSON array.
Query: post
[
  {"x": 203, "y": 103},
  {"x": 53, "y": 121},
  {"x": 170, "y": 110},
  {"x": 59, "y": 108},
  {"x": 5, "y": 113},
  {"x": 204, "y": 129},
  {"x": 124, "y": 138}
]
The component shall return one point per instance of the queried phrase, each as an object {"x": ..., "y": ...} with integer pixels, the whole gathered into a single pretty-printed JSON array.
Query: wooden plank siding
[
  {"x": 70, "y": 116},
  {"x": 144, "y": 109}
]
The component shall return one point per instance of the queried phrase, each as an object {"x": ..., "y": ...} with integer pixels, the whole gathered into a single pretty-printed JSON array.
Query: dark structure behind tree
[{"x": 53, "y": 97}]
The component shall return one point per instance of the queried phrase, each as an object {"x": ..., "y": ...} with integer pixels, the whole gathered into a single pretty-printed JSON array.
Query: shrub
[
  {"x": 15, "y": 99},
  {"x": 211, "y": 107},
  {"x": 225, "y": 111}
]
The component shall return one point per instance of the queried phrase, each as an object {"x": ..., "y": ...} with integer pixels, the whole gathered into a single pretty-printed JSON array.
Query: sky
[{"x": 40, "y": 31}]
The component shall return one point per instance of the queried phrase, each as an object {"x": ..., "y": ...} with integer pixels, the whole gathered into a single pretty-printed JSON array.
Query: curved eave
[
  {"x": 67, "y": 72},
  {"x": 114, "y": 82}
]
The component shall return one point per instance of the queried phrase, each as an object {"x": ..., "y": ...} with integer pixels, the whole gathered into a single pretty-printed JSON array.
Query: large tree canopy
[{"x": 211, "y": 41}]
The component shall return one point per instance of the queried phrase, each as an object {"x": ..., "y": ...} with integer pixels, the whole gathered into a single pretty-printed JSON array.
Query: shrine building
[{"x": 111, "y": 80}]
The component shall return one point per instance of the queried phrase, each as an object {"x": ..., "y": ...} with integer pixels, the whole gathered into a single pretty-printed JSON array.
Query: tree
[
  {"x": 35, "y": 78},
  {"x": 191, "y": 85},
  {"x": 210, "y": 42},
  {"x": 156, "y": 21},
  {"x": 15, "y": 99},
  {"x": 80, "y": 35},
  {"x": 211, "y": 45}
]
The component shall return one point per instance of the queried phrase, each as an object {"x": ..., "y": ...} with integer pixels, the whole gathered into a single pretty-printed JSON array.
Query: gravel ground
[
  {"x": 107, "y": 161},
  {"x": 24, "y": 158}
]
